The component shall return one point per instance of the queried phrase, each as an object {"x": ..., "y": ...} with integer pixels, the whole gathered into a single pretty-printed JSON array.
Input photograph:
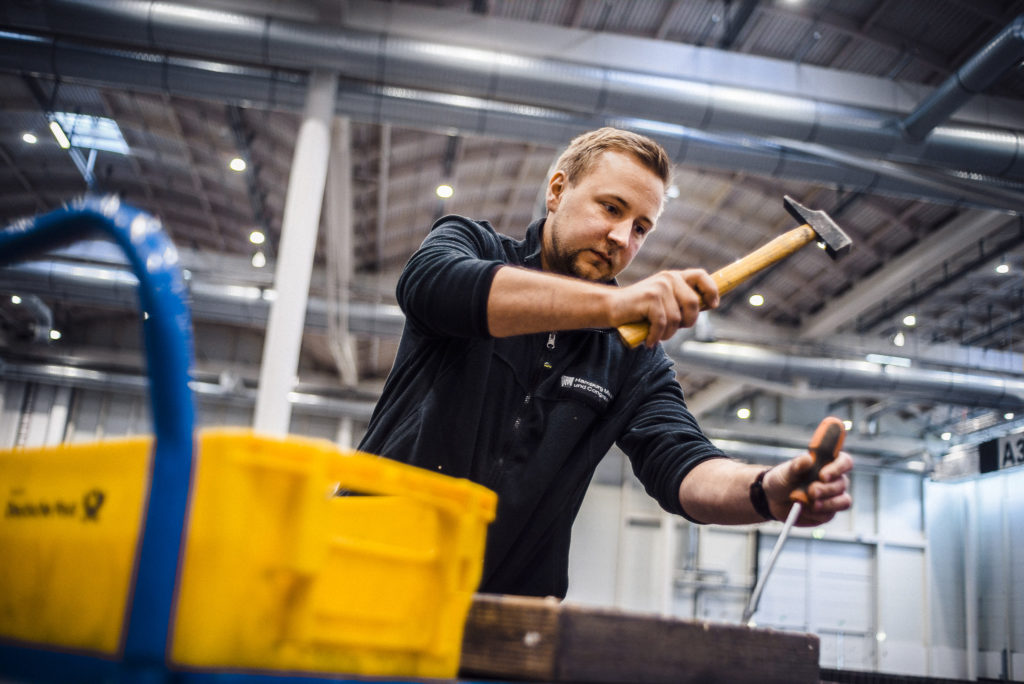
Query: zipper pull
[{"x": 551, "y": 341}]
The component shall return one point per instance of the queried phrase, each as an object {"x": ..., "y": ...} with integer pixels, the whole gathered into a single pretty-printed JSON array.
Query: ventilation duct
[
  {"x": 852, "y": 377},
  {"x": 1002, "y": 53},
  {"x": 521, "y": 92},
  {"x": 274, "y": 88},
  {"x": 237, "y": 305}
]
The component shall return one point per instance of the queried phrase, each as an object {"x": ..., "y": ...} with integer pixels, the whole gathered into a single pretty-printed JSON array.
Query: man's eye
[
  {"x": 641, "y": 230},
  {"x": 611, "y": 208}
]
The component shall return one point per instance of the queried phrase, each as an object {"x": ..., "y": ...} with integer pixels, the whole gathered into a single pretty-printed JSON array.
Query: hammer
[{"x": 816, "y": 225}]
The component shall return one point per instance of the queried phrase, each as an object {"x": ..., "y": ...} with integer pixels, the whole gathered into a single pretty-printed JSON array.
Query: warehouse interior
[{"x": 902, "y": 119}]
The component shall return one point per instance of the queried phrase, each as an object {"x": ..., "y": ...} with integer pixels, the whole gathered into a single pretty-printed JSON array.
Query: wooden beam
[{"x": 545, "y": 640}]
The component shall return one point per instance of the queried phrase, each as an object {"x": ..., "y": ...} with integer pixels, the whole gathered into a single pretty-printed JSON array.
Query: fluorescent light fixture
[
  {"x": 58, "y": 133},
  {"x": 30, "y": 138},
  {"x": 237, "y": 164},
  {"x": 90, "y": 132},
  {"x": 917, "y": 465},
  {"x": 885, "y": 360},
  {"x": 257, "y": 237},
  {"x": 444, "y": 191}
]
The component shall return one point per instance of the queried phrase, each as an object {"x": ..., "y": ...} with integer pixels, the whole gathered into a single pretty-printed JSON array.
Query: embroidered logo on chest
[{"x": 587, "y": 390}]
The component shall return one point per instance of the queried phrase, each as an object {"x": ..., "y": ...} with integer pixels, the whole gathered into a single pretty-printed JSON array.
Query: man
[{"x": 510, "y": 372}]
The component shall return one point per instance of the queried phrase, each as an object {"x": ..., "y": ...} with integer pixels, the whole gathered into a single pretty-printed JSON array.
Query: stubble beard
[{"x": 565, "y": 262}]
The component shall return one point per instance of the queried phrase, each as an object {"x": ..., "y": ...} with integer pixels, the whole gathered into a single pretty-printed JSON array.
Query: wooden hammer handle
[{"x": 728, "y": 277}]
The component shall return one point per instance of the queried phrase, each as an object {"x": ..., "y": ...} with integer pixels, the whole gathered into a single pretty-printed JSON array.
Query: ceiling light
[
  {"x": 672, "y": 192},
  {"x": 910, "y": 320},
  {"x": 259, "y": 260},
  {"x": 946, "y": 436},
  {"x": 55, "y": 335},
  {"x": 15, "y": 299},
  {"x": 1003, "y": 268},
  {"x": 237, "y": 164},
  {"x": 848, "y": 425},
  {"x": 743, "y": 413},
  {"x": 917, "y": 465},
  {"x": 899, "y": 339},
  {"x": 92, "y": 132},
  {"x": 58, "y": 133},
  {"x": 1008, "y": 415},
  {"x": 29, "y": 138},
  {"x": 257, "y": 237},
  {"x": 756, "y": 300},
  {"x": 444, "y": 191}
]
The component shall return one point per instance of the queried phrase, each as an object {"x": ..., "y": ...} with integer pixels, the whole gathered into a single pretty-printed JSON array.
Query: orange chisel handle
[
  {"x": 736, "y": 273},
  {"x": 825, "y": 446}
]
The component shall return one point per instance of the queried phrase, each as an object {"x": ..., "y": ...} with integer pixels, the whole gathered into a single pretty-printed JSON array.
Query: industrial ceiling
[{"x": 903, "y": 119}]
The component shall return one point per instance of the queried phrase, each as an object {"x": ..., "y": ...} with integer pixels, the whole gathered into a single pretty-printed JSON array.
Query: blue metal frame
[{"x": 167, "y": 332}]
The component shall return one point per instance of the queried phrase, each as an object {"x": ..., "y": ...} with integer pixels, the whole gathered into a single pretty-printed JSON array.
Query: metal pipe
[
  {"x": 989, "y": 64},
  {"x": 580, "y": 89},
  {"x": 757, "y": 364},
  {"x": 417, "y": 108}
]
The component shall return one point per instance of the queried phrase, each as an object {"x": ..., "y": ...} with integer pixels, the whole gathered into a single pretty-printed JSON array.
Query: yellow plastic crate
[{"x": 277, "y": 574}]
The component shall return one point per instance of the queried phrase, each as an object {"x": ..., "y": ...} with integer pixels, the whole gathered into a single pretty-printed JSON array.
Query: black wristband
[{"x": 759, "y": 499}]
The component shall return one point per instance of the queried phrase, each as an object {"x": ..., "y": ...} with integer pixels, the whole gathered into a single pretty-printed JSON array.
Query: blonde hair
[{"x": 581, "y": 154}]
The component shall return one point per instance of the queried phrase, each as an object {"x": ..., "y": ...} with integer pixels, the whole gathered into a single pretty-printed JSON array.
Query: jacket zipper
[{"x": 546, "y": 365}]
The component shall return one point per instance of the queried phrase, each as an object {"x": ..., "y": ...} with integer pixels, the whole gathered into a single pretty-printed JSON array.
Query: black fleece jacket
[{"x": 528, "y": 416}]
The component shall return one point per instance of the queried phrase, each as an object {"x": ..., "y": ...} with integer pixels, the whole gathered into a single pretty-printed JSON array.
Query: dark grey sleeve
[
  {"x": 663, "y": 440},
  {"x": 444, "y": 287}
]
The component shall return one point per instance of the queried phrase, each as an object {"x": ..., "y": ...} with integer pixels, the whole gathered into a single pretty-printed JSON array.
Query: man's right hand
[{"x": 667, "y": 300}]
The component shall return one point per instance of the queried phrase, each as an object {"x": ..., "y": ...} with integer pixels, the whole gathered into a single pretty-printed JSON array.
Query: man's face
[{"x": 595, "y": 227}]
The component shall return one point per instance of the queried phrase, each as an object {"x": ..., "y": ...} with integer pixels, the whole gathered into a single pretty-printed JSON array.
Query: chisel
[{"x": 824, "y": 446}]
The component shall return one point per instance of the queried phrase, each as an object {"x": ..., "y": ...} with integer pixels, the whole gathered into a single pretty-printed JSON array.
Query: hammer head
[{"x": 836, "y": 241}]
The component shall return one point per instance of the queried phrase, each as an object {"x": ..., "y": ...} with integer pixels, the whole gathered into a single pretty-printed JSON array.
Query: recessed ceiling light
[
  {"x": 444, "y": 191},
  {"x": 743, "y": 413},
  {"x": 899, "y": 339},
  {"x": 756, "y": 300},
  {"x": 1008, "y": 415},
  {"x": 15, "y": 299},
  {"x": 848, "y": 425},
  {"x": 257, "y": 237},
  {"x": 29, "y": 138},
  {"x": 910, "y": 320},
  {"x": 259, "y": 260},
  {"x": 946, "y": 436},
  {"x": 55, "y": 334},
  {"x": 237, "y": 164},
  {"x": 1003, "y": 268}
]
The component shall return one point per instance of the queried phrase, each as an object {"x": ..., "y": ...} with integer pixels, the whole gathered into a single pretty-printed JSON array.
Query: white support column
[
  {"x": 971, "y": 581},
  {"x": 295, "y": 257}
]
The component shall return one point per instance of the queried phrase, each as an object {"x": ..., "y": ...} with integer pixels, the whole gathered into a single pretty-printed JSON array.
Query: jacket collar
[{"x": 531, "y": 245}]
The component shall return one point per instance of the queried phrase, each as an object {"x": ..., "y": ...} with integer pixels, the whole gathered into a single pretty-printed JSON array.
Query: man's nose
[{"x": 618, "y": 233}]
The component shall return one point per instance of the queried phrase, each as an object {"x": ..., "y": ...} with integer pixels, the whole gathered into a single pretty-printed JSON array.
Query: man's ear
[{"x": 556, "y": 186}]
